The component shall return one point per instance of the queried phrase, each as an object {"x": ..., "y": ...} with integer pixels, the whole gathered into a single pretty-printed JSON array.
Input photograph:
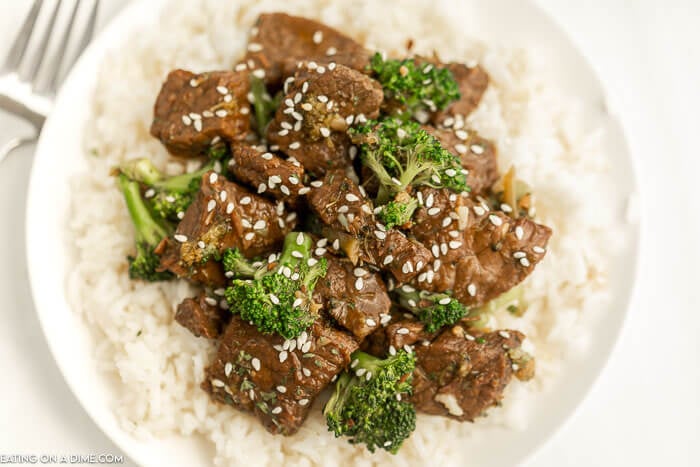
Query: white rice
[{"x": 159, "y": 365}]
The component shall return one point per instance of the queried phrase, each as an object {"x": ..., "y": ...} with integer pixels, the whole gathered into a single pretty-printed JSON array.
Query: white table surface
[{"x": 644, "y": 411}]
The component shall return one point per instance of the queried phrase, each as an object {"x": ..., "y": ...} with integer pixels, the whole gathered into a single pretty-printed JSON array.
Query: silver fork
[{"x": 29, "y": 79}]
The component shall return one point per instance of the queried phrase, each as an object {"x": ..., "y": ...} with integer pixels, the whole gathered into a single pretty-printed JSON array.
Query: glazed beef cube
[
  {"x": 477, "y": 154},
  {"x": 194, "y": 111},
  {"x": 504, "y": 252},
  {"x": 268, "y": 173},
  {"x": 279, "y": 41},
  {"x": 224, "y": 215},
  {"x": 354, "y": 296},
  {"x": 477, "y": 253},
  {"x": 276, "y": 380},
  {"x": 340, "y": 203},
  {"x": 472, "y": 82},
  {"x": 202, "y": 316},
  {"x": 392, "y": 251},
  {"x": 319, "y": 106},
  {"x": 460, "y": 375}
]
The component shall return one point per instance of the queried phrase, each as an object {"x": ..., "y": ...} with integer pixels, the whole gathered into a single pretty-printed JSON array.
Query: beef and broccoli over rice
[{"x": 334, "y": 235}]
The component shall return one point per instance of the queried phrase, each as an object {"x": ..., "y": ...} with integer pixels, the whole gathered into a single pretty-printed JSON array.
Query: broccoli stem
[{"x": 148, "y": 230}]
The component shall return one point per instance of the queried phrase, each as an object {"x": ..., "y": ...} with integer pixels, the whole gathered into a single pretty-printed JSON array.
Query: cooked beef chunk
[
  {"x": 477, "y": 154},
  {"x": 478, "y": 254},
  {"x": 224, "y": 215},
  {"x": 276, "y": 381},
  {"x": 340, "y": 203},
  {"x": 460, "y": 375},
  {"x": 354, "y": 296},
  {"x": 405, "y": 258},
  {"x": 347, "y": 212},
  {"x": 193, "y": 111},
  {"x": 504, "y": 252},
  {"x": 279, "y": 41},
  {"x": 320, "y": 105},
  {"x": 202, "y": 315},
  {"x": 472, "y": 82},
  {"x": 268, "y": 173}
]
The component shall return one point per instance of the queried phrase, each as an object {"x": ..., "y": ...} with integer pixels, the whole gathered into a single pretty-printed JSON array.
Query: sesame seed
[
  {"x": 351, "y": 197},
  {"x": 283, "y": 356},
  {"x": 259, "y": 73},
  {"x": 318, "y": 37},
  {"x": 476, "y": 149},
  {"x": 331, "y": 51},
  {"x": 256, "y": 363},
  {"x": 519, "y": 254},
  {"x": 504, "y": 334},
  {"x": 303, "y": 402},
  {"x": 402, "y": 331},
  {"x": 306, "y": 372},
  {"x": 495, "y": 220},
  {"x": 213, "y": 178},
  {"x": 306, "y": 346},
  {"x": 461, "y": 148},
  {"x": 221, "y": 113},
  {"x": 251, "y": 394},
  {"x": 276, "y": 410},
  {"x": 317, "y": 184},
  {"x": 304, "y": 190},
  {"x": 380, "y": 235},
  {"x": 455, "y": 244},
  {"x": 445, "y": 301},
  {"x": 359, "y": 283},
  {"x": 320, "y": 251},
  {"x": 223, "y": 195},
  {"x": 479, "y": 211},
  {"x": 186, "y": 120},
  {"x": 305, "y": 87},
  {"x": 295, "y": 145},
  {"x": 388, "y": 259},
  {"x": 461, "y": 134},
  {"x": 249, "y": 236},
  {"x": 150, "y": 193},
  {"x": 450, "y": 172},
  {"x": 217, "y": 383},
  {"x": 443, "y": 248},
  {"x": 336, "y": 244},
  {"x": 525, "y": 262},
  {"x": 471, "y": 290},
  {"x": 506, "y": 208},
  {"x": 211, "y": 205},
  {"x": 180, "y": 238},
  {"x": 228, "y": 368},
  {"x": 306, "y": 106},
  {"x": 254, "y": 47},
  {"x": 260, "y": 225},
  {"x": 194, "y": 83},
  {"x": 325, "y": 132},
  {"x": 396, "y": 181},
  {"x": 210, "y": 301},
  {"x": 446, "y": 221},
  {"x": 392, "y": 350},
  {"x": 433, "y": 211},
  {"x": 201, "y": 244},
  {"x": 538, "y": 249},
  {"x": 361, "y": 371},
  {"x": 268, "y": 155},
  {"x": 370, "y": 322}
]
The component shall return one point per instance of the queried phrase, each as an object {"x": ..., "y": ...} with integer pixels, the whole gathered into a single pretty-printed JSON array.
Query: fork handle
[{"x": 32, "y": 116}]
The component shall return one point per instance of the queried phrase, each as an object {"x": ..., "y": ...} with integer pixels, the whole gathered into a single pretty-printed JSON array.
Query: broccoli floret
[
  {"x": 368, "y": 404},
  {"x": 263, "y": 105},
  {"x": 397, "y": 213},
  {"x": 167, "y": 196},
  {"x": 402, "y": 154},
  {"x": 415, "y": 87},
  {"x": 278, "y": 296},
  {"x": 435, "y": 310},
  {"x": 149, "y": 233},
  {"x": 237, "y": 266}
]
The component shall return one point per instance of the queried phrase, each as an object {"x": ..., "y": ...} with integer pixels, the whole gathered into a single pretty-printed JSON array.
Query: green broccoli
[
  {"x": 435, "y": 310},
  {"x": 277, "y": 297},
  {"x": 397, "y": 213},
  {"x": 367, "y": 404},
  {"x": 149, "y": 233},
  {"x": 168, "y": 197},
  {"x": 263, "y": 105},
  {"x": 414, "y": 87},
  {"x": 402, "y": 154}
]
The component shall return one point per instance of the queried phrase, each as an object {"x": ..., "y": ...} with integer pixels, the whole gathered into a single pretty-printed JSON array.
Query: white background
[{"x": 644, "y": 411}]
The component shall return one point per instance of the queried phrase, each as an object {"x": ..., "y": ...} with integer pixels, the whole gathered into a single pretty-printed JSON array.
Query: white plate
[{"x": 60, "y": 154}]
